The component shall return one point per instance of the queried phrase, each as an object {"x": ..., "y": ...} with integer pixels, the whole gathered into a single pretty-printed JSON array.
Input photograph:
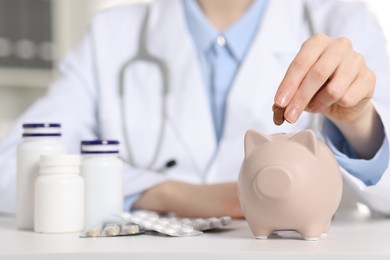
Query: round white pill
[
  {"x": 200, "y": 224},
  {"x": 146, "y": 223},
  {"x": 170, "y": 231},
  {"x": 135, "y": 219},
  {"x": 174, "y": 225},
  {"x": 112, "y": 230},
  {"x": 93, "y": 232},
  {"x": 186, "y": 221},
  {"x": 214, "y": 223},
  {"x": 226, "y": 220},
  {"x": 157, "y": 226},
  {"x": 186, "y": 229},
  {"x": 131, "y": 229},
  {"x": 141, "y": 214},
  {"x": 163, "y": 221}
]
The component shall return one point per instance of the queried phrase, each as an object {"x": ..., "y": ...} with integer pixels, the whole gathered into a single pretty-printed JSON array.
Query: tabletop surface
[{"x": 351, "y": 237}]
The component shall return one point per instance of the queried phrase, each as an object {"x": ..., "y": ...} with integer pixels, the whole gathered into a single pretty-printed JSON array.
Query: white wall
[{"x": 20, "y": 88}]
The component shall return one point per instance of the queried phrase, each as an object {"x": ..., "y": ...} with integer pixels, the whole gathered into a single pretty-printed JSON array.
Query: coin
[{"x": 278, "y": 114}]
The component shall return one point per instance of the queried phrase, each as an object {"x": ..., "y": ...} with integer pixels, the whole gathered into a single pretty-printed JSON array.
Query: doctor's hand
[
  {"x": 327, "y": 76},
  {"x": 190, "y": 200}
]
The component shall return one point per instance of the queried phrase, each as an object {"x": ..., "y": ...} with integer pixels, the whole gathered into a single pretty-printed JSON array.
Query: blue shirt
[
  {"x": 220, "y": 56},
  {"x": 221, "y": 53}
]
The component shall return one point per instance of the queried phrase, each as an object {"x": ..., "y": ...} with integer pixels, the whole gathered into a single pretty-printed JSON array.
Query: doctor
[{"x": 214, "y": 69}]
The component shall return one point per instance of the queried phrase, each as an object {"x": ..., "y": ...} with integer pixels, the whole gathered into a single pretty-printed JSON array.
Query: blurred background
[{"x": 36, "y": 34}]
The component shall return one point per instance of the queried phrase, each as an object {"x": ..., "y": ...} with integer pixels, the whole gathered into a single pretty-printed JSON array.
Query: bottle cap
[
  {"x": 100, "y": 147},
  {"x": 41, "y": 129}
]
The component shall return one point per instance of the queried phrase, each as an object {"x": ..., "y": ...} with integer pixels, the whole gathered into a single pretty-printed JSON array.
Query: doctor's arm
[
  {"x": 328, "y": 76},
  {"x": 191, "y": 200}
]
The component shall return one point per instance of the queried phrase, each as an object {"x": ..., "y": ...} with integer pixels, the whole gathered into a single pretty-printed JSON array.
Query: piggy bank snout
[{"x": 273, "y": 182}]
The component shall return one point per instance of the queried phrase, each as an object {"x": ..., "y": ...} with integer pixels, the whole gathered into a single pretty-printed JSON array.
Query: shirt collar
[{"x": 238, "y": 36}]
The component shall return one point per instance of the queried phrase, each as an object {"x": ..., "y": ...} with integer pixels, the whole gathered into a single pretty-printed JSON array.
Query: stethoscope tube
[{"x": 143, "y": 55}]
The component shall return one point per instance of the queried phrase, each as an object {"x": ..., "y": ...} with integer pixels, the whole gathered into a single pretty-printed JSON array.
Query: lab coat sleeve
[
  {"x": 130, "y": 200},
  {"x": 70, "y": 100},
  {"x": 137, "y": 181},
  {"x": 354, "y": 21}
]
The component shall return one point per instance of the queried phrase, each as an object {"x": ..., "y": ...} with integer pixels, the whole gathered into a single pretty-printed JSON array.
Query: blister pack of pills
[
  {"x": 113, "y": 230},
  {"x": 173, "y": 226}
]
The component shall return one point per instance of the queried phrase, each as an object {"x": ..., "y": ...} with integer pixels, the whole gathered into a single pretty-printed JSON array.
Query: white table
[{"x": 351, "y": 237}]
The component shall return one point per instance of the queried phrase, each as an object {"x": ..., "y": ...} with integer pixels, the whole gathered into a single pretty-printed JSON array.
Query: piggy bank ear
[
  {"x": 254, "y": 139},
  {"x": 308, "y": 139}
]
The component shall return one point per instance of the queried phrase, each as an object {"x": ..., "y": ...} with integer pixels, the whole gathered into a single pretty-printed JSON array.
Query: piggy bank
[{"x": 288, "y": 182}]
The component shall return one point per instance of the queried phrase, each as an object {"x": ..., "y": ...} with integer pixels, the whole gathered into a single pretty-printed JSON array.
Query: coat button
[{"x": 221, "y": 41}]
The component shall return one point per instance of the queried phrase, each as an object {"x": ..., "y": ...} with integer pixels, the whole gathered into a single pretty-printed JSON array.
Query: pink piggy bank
[{"x": 289, "y": 182}]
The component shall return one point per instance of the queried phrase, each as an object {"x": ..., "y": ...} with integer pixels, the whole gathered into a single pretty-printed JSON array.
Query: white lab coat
[{"x": 85, "y": 98}]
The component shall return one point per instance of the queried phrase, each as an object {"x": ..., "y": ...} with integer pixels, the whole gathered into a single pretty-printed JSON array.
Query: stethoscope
[{"x": 143, "y": 55}]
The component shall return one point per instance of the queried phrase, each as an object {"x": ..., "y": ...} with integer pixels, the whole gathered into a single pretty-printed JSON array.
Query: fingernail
[
  {"x": 281, "y": 100},
  {"x": 292, "y": 115}
]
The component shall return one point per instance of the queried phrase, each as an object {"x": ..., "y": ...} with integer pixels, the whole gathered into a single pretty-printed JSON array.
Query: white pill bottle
[
  {"x": 38, "y": 139},
  {"x": 59, "y": 195},
  {"x": 102, "y": 170}
]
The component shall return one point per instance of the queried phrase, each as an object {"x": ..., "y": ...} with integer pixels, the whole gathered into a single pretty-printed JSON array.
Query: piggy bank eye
[{"x": 273, "y": 182}]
